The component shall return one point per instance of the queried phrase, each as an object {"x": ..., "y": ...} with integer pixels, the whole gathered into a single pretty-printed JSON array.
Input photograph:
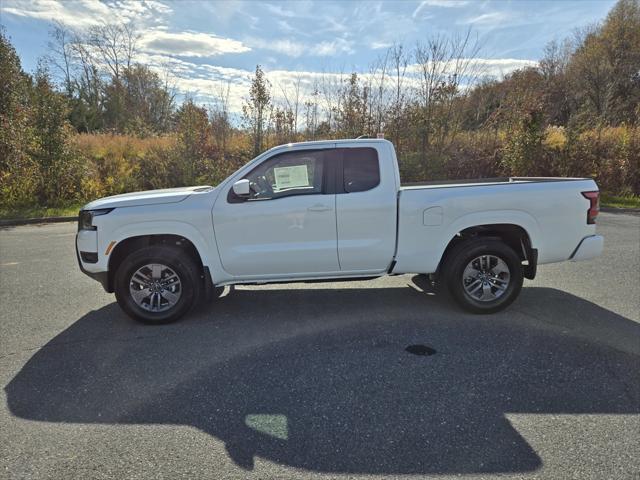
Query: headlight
[{"x": 85, "y": 218}]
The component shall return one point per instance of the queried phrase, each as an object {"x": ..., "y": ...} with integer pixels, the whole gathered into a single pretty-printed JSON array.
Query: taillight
[{"x": 594, "y": 208}]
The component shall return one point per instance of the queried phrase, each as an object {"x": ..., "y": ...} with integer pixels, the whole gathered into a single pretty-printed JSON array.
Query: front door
[{"x": 287, "y": 225}]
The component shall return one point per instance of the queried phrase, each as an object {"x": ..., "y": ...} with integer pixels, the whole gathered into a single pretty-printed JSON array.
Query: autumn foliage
[{"x": 107, "y": 130}]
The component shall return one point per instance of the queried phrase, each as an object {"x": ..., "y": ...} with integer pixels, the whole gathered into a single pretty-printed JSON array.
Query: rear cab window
[{"x": 361, "y": 169}]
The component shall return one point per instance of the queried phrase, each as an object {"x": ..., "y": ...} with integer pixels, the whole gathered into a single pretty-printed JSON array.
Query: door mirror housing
[{"x": 241, "y": 188}]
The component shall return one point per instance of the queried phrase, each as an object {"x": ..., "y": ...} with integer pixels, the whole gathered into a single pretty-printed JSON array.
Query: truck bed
[
  {"x": 482, "y": 181},
  {"x": 551, "y": 210}
]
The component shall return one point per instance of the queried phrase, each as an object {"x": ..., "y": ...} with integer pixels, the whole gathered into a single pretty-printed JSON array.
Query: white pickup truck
[{"x": 332, "y": 210}]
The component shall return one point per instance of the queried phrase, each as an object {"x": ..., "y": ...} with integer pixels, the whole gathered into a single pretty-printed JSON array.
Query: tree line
[{"x": 94, "y": 120}]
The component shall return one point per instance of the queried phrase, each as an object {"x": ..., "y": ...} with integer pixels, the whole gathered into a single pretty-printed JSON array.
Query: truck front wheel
[
  {"x": 484, "y": 275},
  {"x": 157, "y": 284}
]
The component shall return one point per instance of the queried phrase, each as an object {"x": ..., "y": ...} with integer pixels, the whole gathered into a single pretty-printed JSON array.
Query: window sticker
[{"x": 291, "y": 177}]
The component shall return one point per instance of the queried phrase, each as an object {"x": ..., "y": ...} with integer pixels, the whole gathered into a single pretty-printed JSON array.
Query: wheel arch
[
  {"x": 126, "y": 246},
  {"x": 514, "y": 235}
]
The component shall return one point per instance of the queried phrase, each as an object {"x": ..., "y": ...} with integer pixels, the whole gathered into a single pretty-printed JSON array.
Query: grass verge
[
  {"x": 39, "y": 212},
  {"x": 617, "y": 201}
]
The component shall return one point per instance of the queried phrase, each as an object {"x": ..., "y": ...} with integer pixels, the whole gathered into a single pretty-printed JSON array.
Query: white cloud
[
  {"x": 284, "y": 46},
  {"x": 148, "y": 16},
  {"x": 279, "y": 11},
  {"x": 493, "y": 18},
  {"x": 84, "y": 13},
  {"x": 498, "y": 67},
  {"x": 377, "y": 45},
  {"x": 155, "y": 5},
  {"x": 437, "y": 3},
  {"x": 295, "y": 49},
  {"x": 333, "y": 47},
  {"x": 87, "y": 13},
  {"x": 189, "y": 44},
  {"x": 286, "y": 27},
  {"x": 482, "y": 67},
  {"x": 200, "y": 81}
]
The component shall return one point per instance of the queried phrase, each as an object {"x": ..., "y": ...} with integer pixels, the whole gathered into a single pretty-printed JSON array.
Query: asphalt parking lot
[{"x": 313, "y": 380}]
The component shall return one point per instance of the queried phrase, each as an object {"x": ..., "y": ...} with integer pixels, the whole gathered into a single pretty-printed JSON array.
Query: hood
[{"x": 149, "y": 197}]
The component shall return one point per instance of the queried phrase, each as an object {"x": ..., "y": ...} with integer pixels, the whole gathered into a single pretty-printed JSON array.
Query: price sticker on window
[{"x": 295, "y": 176}]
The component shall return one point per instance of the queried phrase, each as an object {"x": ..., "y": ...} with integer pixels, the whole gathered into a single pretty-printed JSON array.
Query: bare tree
[
  {"x": 220, "y": 121},
  {"x": 379, "y": 104},
  {"x": 332, "y": 87},
  {"x": 397, "y": 117},
  {"x": 293, "y": 100},
  {"x": 558, "y": 95},
  {"x": 115, "y": 44},
  {"x": 61, "y": 54},
  {"x": 311, "y": 111},
  {"x": 88, "y": 86},
  {"x": 444, "y": 65},
  {"x": 171, "y": 90},
  {"x": 555, "y": 58}
]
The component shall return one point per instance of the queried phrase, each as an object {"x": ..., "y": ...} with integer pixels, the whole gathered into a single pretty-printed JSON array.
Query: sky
[{"x": 206, "y": 44}]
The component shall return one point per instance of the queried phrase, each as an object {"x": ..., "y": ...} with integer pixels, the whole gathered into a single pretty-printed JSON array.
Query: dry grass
[{"x": 102, "y": 145}]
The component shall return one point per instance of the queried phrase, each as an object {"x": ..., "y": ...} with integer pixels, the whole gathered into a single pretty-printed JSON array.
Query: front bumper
[
  {"x": 102, "y": 277},
  {"x": 589, "y": 247}
]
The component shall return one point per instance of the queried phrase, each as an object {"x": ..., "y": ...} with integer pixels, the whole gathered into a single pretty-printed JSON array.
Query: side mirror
[{"x": 241, "y": 188}]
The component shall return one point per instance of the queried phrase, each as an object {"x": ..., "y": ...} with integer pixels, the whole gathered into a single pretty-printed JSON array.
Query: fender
[
  {"x": 170, "y": 227},
  {"x": 519, "y": 218},
  {"x": 428, "y": 250}
]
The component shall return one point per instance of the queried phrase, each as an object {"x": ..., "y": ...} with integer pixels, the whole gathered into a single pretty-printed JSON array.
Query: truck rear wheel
[
  {"x": 484, "y": 275},
  {"x": 157, "y": 284}
]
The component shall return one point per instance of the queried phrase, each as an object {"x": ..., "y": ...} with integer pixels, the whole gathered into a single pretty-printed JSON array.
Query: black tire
[
  {"x": 464, "y": 253},
  {"x": 185, "y": 268}
]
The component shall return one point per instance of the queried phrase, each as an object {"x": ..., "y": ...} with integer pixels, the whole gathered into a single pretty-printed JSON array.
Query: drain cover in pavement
[{"x": 420, "y": 350}]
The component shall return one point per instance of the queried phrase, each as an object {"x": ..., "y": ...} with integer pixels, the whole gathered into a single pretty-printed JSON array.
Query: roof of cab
[
  {"x": 319, "y": 143},
  {"x": 341, "y": 141}
]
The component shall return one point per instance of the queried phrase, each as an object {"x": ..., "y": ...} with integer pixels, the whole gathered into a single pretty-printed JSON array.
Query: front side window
[
  {"x": 293, "y": 173},
  {"x": 361, "y": 169}
]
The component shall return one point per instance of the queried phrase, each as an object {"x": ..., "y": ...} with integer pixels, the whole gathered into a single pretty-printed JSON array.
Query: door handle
[{"x": 319, "y": 208}]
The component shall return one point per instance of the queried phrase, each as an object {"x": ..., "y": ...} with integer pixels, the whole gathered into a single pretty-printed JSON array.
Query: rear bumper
[{"x": 589, "y": 247}]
